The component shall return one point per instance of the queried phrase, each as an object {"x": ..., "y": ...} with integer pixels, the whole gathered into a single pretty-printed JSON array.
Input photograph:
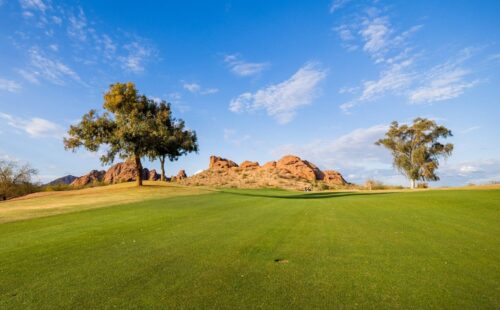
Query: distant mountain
[{"x": 67, "y": 179}]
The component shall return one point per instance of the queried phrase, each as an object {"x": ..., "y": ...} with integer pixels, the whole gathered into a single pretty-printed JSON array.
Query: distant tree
[
  {"x": 15, "y": 180},
  {"x": 125, "y": 128},
  {"x": 172, "y": 139},
  {"x": 416, "y": 149}
]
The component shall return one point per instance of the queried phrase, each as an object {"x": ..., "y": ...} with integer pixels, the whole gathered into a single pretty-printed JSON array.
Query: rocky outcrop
[
  {"x": 92, "y": 177},
  {"x": 249, "y": 164},
  {"x": 181, "y": 175},
  {"x": 290, "y": 172},
  {"x": 219, "y": 163},
  {"x": 65, "y": 180},
  {"x": 333, "y": 177},
  {"x": 153, "y": 175},
  {"x": 118, "y": 173},
  {"x": 300, "y": 168}
]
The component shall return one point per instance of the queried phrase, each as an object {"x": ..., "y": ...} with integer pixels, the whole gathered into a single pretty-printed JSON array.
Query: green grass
[{"x": 427, "y": 249}]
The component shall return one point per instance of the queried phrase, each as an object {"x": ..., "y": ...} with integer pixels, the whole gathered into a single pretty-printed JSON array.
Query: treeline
[
  {"x": 133, "y": 126},
  {"x": 16, "y": 180}
]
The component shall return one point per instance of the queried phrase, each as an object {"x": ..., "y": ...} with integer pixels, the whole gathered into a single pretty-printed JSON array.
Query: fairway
[{"x": 258, "y": 249}]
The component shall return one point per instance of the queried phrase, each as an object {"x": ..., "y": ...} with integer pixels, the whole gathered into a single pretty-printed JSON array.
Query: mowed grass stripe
[{"x": 391, "y": 250}]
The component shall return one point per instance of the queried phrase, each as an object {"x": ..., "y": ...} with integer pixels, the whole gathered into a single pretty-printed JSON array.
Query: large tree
[
  {"x": 125, "y": 129},
  {"x": 416, "y": 148},
  {"x": 172, "y": 139}
]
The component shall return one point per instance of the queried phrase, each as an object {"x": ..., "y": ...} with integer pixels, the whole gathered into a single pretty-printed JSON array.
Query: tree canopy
[
  {"x": 416, "y": 148},
  {"x": 172, "y": 139},
  {"x": 132, "y": 126}
]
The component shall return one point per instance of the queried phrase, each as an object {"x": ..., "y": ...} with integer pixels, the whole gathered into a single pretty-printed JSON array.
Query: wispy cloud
[
  {"x": 9, "y": 85},
  {"x": 196, "y": 88},
  {"x": 242, "y": 68},
  {"x": 138, "y": 53},
  {"x": 282, "y": 100},
  {"x": 49, "y": 69},
  {"x": 34, "y": 5},
  {"x": 77, "y": 25},
  {"x": 397, "y": 78},
  {"x": 401, "y": 71},
  {"x": 470, "y": 129},
  {"x": 35, "y": 127},
  {"x": 338, "y": 4},
  {"x": 443, "y": 82}
]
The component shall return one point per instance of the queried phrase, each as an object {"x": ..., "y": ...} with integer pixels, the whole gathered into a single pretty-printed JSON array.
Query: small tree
[
  {"x": 125, "y": 128},
  {"x": 172, "y": 139},
  {"x": 14, "y": 180},
  {"x": 416, "y": 149}
]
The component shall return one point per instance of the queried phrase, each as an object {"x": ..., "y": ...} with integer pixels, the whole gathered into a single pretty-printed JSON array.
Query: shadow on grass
[{"x": 303, "y": 196}]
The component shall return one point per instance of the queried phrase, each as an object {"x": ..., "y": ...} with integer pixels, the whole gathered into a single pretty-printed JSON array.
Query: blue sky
[{"x": 258, "y": 79}]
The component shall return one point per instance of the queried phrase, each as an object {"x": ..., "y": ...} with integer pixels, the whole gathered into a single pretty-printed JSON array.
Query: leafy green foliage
[
  {"x": 129, "y": 128},
  {"x": 416, "y": 149},
  {"x": 171, "y": 138}
]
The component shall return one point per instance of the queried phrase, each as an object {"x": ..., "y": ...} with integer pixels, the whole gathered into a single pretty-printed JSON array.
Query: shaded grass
[{"x": 431, "y": 249}]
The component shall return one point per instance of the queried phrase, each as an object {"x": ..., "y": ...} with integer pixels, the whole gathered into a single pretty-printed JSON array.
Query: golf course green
[{"x": 254, "y": 249}]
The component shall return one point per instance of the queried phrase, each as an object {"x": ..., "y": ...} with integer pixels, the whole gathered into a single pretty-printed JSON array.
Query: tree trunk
[
  {"x": 162, "y": 163},
  {"x": 138, "y": 169},
  {"x": 412, "y": 184}
]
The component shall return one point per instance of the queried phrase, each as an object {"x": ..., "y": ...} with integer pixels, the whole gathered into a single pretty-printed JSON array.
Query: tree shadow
[{"x": 322, "y": 195}]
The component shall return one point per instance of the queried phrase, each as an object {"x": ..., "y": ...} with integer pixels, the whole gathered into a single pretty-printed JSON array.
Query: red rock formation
[
  {"x": 93, "y": 176},
  {"x": 219, "y": 163},
  {"x": 300, "y": 168},
  {"x": 181, "y": 175},
  {"x": 118, "y": 173},
  {"x": 333, "y": 177},
  {"x": 249, "y": 164},
  {"x": 269, "y": 165},
  {"x": 289, "y": 172}
]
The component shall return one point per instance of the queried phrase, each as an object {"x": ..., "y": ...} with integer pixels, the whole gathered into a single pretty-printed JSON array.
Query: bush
[
  {"x": 16, "y": 181},
  {"x": 372, "y": 184},
  {"x": 423, "y": 185}
]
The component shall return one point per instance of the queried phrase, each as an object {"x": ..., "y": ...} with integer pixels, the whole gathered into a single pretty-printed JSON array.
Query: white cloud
[
  {"x": 35, "y": 127},
  {"x": 282, "y": 100},
  {"x": 9, "y": 85},
  {"x": 243, "y": 68},
  {"x": 480, "y": 171},
  {"x": 354, "y": 153},
  {"x": 138, "y": 54},
  {"x": 338, "y": 4},
  {"x": 192, "y": 87},
  {"x": 443, "y": 82},
  {"x": 376, "y": 34},
  {"x": 29, "y": 76},
  {"x": 77, "y": 26},
  {"x": 196, "y": 88},
  {"x": 33, "y": 5},
  {"x": 397, "y": 78},
  {"x": 54, "y": 47},
  {"x": 50, "y": 69},
  {"x": 470, "y": 129},
  {"x": 354, "y": 149}
]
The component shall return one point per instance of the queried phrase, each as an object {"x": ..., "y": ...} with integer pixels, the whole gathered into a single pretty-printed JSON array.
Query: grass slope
[
  {"x": 429, "y": 249},
  {"x": 51, "y": 203}
]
